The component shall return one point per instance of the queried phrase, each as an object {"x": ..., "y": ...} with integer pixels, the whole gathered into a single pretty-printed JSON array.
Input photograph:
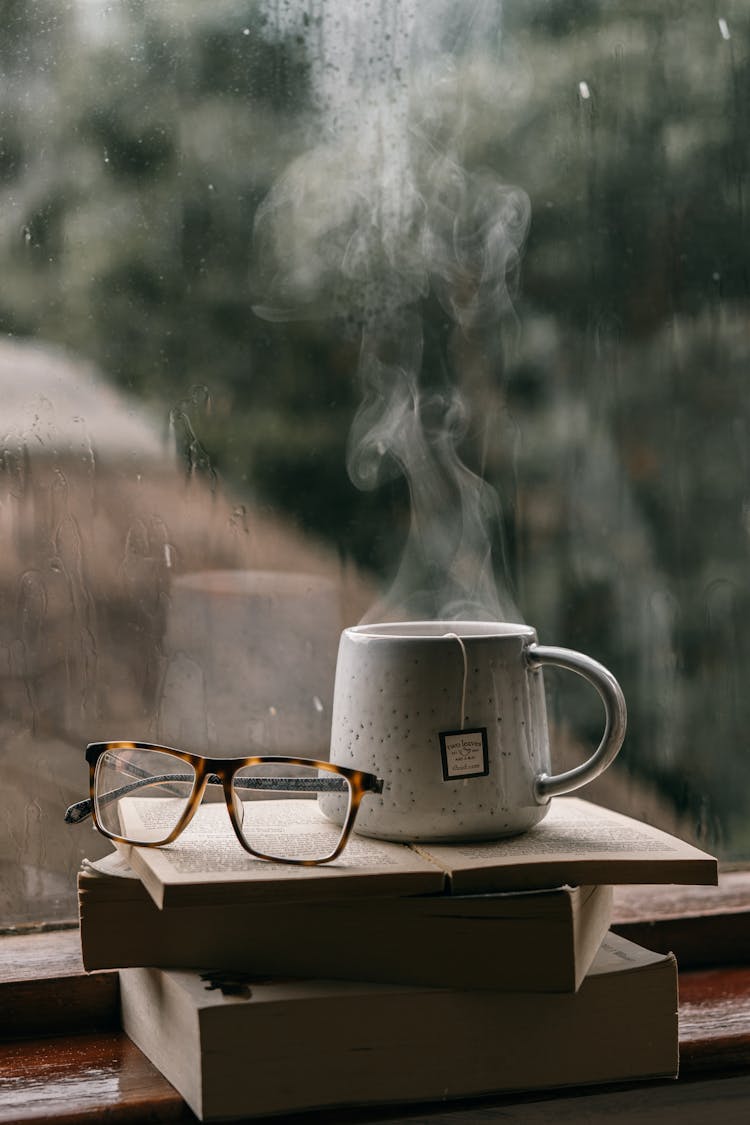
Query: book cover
[{"x": 238, "y": 1046}]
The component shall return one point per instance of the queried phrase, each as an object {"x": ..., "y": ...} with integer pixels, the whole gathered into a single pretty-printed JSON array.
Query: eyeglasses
[{"x": 147, "y": 795}]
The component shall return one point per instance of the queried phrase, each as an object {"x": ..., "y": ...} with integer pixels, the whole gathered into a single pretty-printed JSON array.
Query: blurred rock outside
[{"x": 105, "y": 542}]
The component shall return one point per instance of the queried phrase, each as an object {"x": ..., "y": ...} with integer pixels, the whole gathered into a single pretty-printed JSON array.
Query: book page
[
  {"x": 111, "y": 865},
  {"x": 617, "y": 954},
  {"x": 577, "y": 842},
  {"x": 209, "y": 857}
]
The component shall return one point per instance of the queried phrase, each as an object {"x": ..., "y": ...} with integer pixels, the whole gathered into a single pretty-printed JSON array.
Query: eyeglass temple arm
[{"x": 81, "y": 809}]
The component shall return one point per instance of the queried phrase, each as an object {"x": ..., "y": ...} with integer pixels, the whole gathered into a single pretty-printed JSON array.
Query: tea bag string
[{"x": 462, "y": 646}]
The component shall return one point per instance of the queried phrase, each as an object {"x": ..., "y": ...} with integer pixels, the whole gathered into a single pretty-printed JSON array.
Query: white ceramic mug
[{"x": 452, "y": 715}]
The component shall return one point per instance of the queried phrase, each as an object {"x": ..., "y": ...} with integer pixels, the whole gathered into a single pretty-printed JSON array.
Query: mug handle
[{"x": 615, "y": 711}]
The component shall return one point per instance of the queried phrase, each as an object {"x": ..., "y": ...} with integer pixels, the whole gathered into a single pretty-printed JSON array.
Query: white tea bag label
[{"x": 464, "y": 753}]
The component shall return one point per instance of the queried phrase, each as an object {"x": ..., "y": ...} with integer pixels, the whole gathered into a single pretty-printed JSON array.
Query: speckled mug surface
[{"x": 452, "y": 716}]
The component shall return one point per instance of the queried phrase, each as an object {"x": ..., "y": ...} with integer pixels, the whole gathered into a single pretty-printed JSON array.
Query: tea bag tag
[{"x": 464, "y": 752}]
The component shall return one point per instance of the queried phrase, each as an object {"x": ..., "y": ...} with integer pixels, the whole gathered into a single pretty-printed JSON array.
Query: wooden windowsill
[
  {"x": 105, "y": 1078},
  {"x": 64, "y": 1058},
  {"x": 703, "y": 926}
]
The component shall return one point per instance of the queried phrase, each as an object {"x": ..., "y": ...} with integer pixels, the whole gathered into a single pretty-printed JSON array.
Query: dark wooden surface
[
  {"x": 105, "y": 1078},
  {"x": 44, "y": 990},
  {"x": 77, "y": 1078},
  {"x": 702, "y": 925},
  {"x": 641, "y": 903}
]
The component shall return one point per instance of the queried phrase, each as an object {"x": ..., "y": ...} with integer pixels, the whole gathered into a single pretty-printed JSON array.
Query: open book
[{"x": 576, "y": 843}]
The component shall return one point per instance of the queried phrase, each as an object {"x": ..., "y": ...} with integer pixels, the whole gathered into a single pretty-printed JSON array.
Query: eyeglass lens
[
  {"x": 291, "y": 812},
  {"x": 141, "y": 795}
]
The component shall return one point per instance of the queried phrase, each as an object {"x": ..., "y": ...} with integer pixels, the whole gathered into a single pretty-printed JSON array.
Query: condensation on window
[{"x": 314, "y": 312}]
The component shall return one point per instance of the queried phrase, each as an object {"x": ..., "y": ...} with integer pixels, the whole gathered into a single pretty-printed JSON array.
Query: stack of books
[{"x": 400, "y": 973}]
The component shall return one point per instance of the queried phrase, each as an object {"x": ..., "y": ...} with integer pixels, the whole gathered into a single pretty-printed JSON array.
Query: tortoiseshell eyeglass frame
[{"x": 221, "y": 771}]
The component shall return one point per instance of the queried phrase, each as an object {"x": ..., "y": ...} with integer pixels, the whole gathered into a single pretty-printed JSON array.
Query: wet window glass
[{"x": 315, "y": 312}]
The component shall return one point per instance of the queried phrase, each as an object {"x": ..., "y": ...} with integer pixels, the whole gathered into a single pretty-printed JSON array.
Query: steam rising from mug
[{"x": 379, "y": 216}]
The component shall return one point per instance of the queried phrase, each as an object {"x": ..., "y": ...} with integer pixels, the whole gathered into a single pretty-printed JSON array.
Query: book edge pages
[
  {"x": 154, "y": 1008},
  {"x": 534, "y": 931},
  {"x": 113, "y": 873},
  {"x": 591, "y": 919},
  {"x": 616, "y": 956},
  {"x": 133, "y": 858},
  {"x": 224, "y": 1024}
]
